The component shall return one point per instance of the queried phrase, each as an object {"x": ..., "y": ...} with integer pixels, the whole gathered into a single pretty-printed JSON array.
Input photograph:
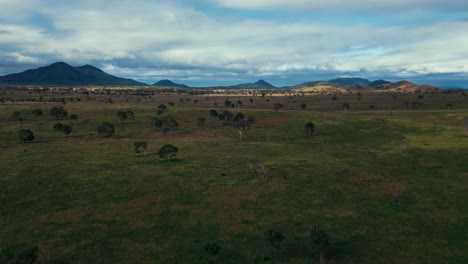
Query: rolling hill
[
  {"x": 60, "y": 73},
  {"x": 168, "y": 83}
]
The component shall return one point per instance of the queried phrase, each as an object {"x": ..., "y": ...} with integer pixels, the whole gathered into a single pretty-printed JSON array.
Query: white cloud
[{"x": 152, "y": 40}]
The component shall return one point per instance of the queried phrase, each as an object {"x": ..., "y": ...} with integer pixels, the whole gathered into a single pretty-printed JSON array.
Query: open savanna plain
[{"x": 84, "y": 198}]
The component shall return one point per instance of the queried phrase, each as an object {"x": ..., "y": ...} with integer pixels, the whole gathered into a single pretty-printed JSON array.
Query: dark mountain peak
[
  {"x": 264, "y": 83},
  {"x": 169, "y": 83},
  {"x": 60, "y": 73},
  {"x": 349, "y": 81}
]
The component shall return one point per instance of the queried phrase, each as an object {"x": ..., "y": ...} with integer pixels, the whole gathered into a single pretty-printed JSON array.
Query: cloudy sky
[{"x": 209, "y": 42}]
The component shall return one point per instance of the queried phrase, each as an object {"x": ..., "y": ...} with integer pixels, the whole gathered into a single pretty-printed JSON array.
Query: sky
[{"x": 224, "y": 42}]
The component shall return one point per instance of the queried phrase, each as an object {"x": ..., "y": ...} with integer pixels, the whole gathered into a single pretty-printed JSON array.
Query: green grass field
[{"x": 89, "y": 199}]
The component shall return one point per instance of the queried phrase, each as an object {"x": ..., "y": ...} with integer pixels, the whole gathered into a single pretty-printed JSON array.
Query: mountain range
[{"x": 60, "y": 73}]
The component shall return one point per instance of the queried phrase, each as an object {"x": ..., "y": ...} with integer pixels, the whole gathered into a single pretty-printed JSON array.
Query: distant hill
[
  {"x": 378, "y": 83},
  {"x": 168, "y": 83},
  {"x": 349, "y": 81},
  {"x": 265, "y": 84},
  {"x": 60, "y": 73},
  {"x": 261, "y": 84}
]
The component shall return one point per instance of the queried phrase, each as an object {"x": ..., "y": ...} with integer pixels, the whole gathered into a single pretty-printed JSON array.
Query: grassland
[{"x": 88, "y": 199}]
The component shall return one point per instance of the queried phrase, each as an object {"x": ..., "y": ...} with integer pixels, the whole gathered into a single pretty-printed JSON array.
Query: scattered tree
[
  {"x": 227, "y": 103},
  {"x": 166, "y": 124},
  {"x": 105, "y": 129},
  {"x": 345, "y": 106},
  {"x": 73, "y": 117},
  {"x": 168, "y": 151},
  {"x": 303, "y": 106},
  {"x": 309, "y": 128},
  {"x": 274, "y": 237},
  {"x": 66, "y": 129},
  {"x": 321, "y": 243},
  {"x": 16, "y": 115},
  {"x": 58, "y": 126},
  {"x": 201, "y": 122},
  {"x": 122, "y": 115},
  {"x": 130, "y": 115},
  {"x": 37, "y": 112},
  {"x": 212, "y": 249},
  {"x": 25, "y": 135},
  {"x": 29, "y": 256},
  {"x": 278, "y": 106},
  {"x": 140, "y": 146},
  {"x": 58, "y": 112},
  {"x": 213, "y": 113}
]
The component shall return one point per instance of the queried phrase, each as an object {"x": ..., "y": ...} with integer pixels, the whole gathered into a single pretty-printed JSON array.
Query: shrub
[
  {"x": 73, "y": 117},
  {"x": 25, "y": 135},
  {"x": 58, "y": 112},
  {"x": 37, "y": 112},
  {"x": 105, "y": 129},
  {"x": 58, "y": 126},
  {"x": 168, "y": 151}
]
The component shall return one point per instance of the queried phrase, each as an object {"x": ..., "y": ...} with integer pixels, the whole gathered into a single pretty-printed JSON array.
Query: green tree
[
  {"x": 122, "y": 115},
  {"x": 212, "y": 249},
  {"x": 320, "y": 242},
  {"x": 58, "y": 112},
  {"x": 25, "y": 135},
  {"x": 346, "y": 106},
  {"x": 168, "y": 151},
  {"x": 105, "y": 129},
  {"x": 73, "y": 117},
  {"x": 58, "y": 126},
  {"x": 66, "y": 129},
  {"x": 274, "y": 237},
  {"x": 241, "y": 124},
  {"x": 165, "y": 124},
  {"x": 37, "y": 112},
  {"x": 130, "y": 115},
  {"x": 213, "y": 113},
  {"x": 140, "y": 146},
  {"x": 227, "y": 103},
  {"x": 201, "y": 122},
  {"x": 309, "y": 128},
  {"x": 16, "y": 115},
  {"x": 278, "y": 106}
]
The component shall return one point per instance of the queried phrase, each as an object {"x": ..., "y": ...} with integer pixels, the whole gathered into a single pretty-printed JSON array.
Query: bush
[
  {"x": 73, "y": 117},
  {"x": 66, "y": 129},
  {"x": 58, "y": 126},
  {"x": 168, "y": 151},
  {"x": 105, "y": 129},
  {"x": 58, "y": 112},
  {"x": 140, "y": 146},
  {"x": 25, "y": 135},
  {"x": 37, "y": 112}
]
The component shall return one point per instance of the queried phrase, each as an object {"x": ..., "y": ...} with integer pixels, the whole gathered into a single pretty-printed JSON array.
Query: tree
[
  {"x": 130, "y": 115},
  {"x": 29, "y": 256},
  {"x": 66, "y": 129},
  {"x": 309, "y": 127},
  {"x": 25, "y": 135},
  {"x": 140, "y": 146},
  {"x": 321, "y": 242},
  {"x": 227, "y": 103},
  {"x": 274, "y": 237},
  {"x": 228, "y": 116},
  {"x": 58, "y": 126},
  {"x": 168, "y": 151},
  {"x": 37, "y": 112},
  {"x": 73, "y": 117},
  {"x": 16, "y": 115},
  {"x": 122, "y": 115},
  {"x": 303, "y": 106},
  {"x": 201, "y": 122},
  {"x": 105, "y": 129},
  {"x": 213, "y": 113},
  {"x": 161, "y": 109},
  {"x": 58, "y": 112},
  {"x": 242, "y": 125},
  {"x": 212, "y": 249},
  {"x": 346, "y": 106},
  {"x": 278, "y": 106},
  {"x": 166, "y": 124}
]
